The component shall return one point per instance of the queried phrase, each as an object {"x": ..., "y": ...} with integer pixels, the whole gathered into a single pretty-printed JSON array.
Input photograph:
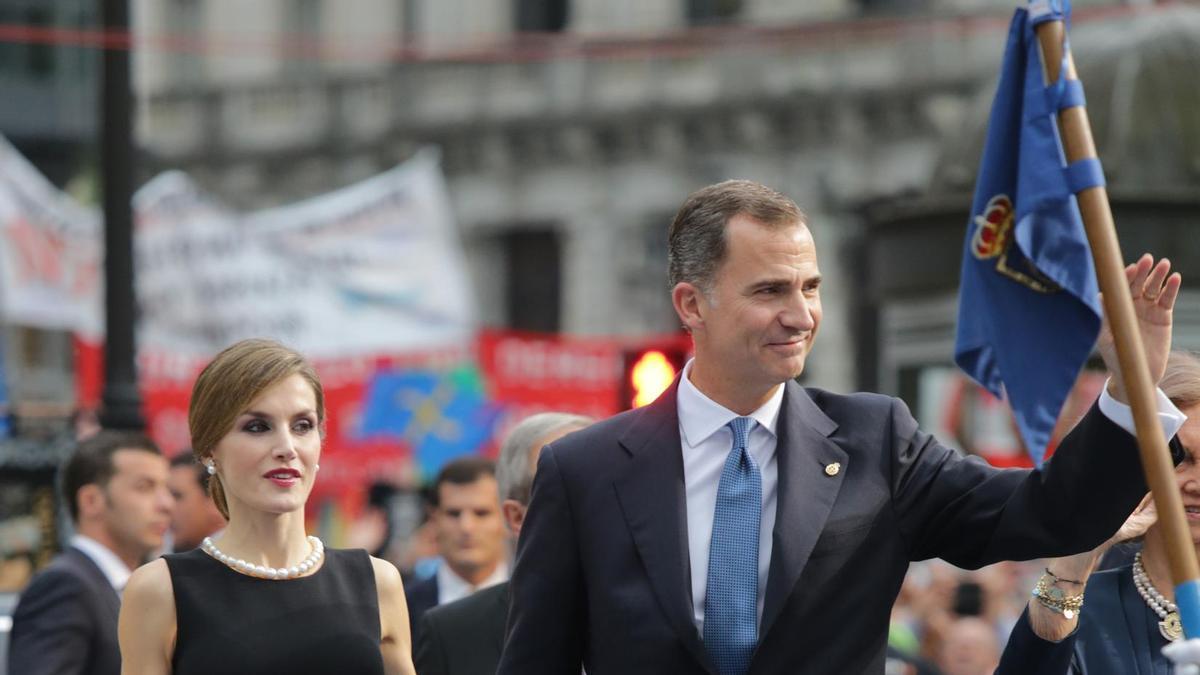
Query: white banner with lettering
[
  {"x": 49, "y": 252},
  {"x": 376, "y": 267},
  {"x": 373, "y": 268}
]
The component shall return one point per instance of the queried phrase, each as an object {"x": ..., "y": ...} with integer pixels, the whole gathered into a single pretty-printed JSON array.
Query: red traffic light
[
  {"x": 649, "y": 370},
  {"x": 650, "y": 376}
]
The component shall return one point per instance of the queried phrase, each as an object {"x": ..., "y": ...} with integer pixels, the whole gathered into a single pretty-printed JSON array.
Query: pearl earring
[
  {"x": 212, "y": 469},
  {"x": 316, "y": 467}
]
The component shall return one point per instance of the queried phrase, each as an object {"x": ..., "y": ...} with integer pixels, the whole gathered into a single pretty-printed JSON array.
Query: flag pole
[{"x": 1078, "y": 144}]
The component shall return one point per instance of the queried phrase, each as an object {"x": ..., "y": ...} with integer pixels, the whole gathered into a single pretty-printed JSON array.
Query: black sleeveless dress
[{"x": 234, "y": 624}]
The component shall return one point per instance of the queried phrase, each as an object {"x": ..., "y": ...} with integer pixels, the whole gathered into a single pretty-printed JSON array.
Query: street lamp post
[{"x": 121, "y": 406}]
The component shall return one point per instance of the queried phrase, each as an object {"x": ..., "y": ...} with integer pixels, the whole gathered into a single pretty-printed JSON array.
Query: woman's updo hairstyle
[{"x": 229, "y": 384}]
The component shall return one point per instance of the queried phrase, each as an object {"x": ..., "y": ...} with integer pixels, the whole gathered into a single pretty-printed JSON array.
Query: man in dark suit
[
  {"x": 196, "y": 515},
  {"x": 466, "y": 636},
  {"x": 470, "y": 536},
  {"x": 66, "y": 620},
  {"x": 744, "y": 524}
]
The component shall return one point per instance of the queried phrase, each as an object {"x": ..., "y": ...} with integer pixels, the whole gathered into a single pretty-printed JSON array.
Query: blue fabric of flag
[
  {"x": 1029, "y": 312},
  {"x": 439, "y": 415}
]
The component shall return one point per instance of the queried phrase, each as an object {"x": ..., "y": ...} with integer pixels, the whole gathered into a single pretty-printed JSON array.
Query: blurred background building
[{"x": 571, "y": 129}]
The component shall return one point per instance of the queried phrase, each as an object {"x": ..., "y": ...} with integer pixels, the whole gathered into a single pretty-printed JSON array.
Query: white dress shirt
[
  {"x": 452, "y": 587},
  {"x": 706, "y": 443},
  {"x": 114, "y": 569}
]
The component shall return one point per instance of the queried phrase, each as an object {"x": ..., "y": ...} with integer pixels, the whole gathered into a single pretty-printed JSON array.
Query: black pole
[{"x": 121, "y": 405}]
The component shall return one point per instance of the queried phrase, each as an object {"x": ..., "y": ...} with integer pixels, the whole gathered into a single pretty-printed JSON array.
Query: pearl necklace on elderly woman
[
  {"x": 1170, "y": 626},
  {"x": 238, "y": 565}
]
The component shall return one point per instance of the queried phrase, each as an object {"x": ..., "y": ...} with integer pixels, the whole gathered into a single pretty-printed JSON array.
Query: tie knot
[{"x": 740, "y": 426}]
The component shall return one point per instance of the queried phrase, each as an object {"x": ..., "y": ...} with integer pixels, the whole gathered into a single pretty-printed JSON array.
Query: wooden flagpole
[{"x": 1077, "y": 142}]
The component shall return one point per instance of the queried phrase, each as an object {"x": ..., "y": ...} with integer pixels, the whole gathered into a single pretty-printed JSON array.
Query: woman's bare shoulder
[
  {"x": 387, "y": 577},
  {"x": 150, "y": 587}
]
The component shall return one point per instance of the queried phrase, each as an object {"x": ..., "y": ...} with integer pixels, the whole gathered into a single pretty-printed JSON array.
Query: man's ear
[
  {"x": 690, "y": 303},
  {"x": 91, "y": 501},
  {"x": 514, "y": 515}
]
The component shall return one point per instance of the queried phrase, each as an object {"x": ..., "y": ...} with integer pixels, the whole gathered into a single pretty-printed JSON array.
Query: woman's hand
[
  {"x": 1138, "y": 522},
  {"x": 1154, "y": 290}
]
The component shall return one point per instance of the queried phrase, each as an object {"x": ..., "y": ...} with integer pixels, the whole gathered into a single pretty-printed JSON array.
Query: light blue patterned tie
[{"x": 731, "y": 601}]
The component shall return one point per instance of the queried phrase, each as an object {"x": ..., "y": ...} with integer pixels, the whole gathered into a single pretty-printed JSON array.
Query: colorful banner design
[
  {"x": 49, "y": 252},
  {"x": 439, "y": 416},
  {"x": 398, "y": 417}
]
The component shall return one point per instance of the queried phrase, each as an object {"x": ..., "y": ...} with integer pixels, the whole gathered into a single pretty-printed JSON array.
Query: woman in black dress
[{"x": 263, "y": 597}]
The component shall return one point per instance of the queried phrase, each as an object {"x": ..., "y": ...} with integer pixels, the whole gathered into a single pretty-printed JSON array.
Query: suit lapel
[
  {"x": 99, "y": 582},
  {"x": 1142, "y": 629},
  {"x": 653, "y": 501},
  {"x": 806, "y": 494}
]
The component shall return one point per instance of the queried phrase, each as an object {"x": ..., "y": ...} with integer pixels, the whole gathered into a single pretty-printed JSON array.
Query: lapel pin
[{"x": 833, "y": 469}]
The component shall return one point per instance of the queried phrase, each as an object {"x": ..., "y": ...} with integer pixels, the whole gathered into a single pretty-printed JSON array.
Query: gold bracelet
[{"x": 1055, "y": 599}]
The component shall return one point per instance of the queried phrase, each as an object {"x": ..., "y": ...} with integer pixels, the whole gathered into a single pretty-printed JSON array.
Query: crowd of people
[{"x": 741, "y": 523}]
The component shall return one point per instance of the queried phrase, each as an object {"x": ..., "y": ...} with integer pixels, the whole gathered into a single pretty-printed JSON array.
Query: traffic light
[{"x": 649, "y": 370}]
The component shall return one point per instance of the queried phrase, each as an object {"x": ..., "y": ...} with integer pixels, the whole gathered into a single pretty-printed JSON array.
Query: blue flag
[
  {"x": 441, "y": 415},
  {"x": 1028, "y": 314}
]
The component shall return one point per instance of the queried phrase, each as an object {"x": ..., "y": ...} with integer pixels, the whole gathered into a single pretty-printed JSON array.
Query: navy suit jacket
[
  {"x": 66, "y": 621},
  {"x": 421, "y": 597},
  {"x": 602, "y": 575},
  {"x": 1117, "y": 635},
  {"x": 463, "y": 637}
]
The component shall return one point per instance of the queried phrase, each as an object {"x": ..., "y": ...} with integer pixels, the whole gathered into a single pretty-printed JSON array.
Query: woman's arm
[
  {"x": 1072, "y": 573},
  {"x": 147, "y": 625},
  {"x": 395, "y": 637},
  {"x": 1043, "y": 641}
]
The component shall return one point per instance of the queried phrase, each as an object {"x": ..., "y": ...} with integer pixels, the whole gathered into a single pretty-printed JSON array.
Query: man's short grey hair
[
  {"x": 513, "y": 470},
  {"x": 696, "y": 238}
]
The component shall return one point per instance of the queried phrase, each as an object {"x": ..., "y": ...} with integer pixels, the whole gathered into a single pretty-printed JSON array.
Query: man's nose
[
  {"x": 797, "y": 314},
  {"x": 166, "y": 501}
]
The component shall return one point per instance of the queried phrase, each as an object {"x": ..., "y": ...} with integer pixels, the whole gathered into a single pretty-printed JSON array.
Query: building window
[
  {"x": 10, "y": 52},
  {"x": 541, "y": 16},
  {"x": 894, "y": 6},
  {"x": 301, "y": 42},
  {"x": 184, "y": 24},
  {"x": 533, "y": 262},
  {"x": 707, "y": 12},
  {"x": 41, "y": 54}
]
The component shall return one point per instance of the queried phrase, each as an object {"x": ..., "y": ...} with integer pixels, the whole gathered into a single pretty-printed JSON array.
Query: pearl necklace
[
  {"x": 1170, "y": 626},
  {"x": 250, "y": 569}
]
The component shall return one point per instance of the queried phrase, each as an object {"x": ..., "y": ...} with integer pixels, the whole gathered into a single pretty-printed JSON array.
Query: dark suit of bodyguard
[{"x": 851, "y": 490}]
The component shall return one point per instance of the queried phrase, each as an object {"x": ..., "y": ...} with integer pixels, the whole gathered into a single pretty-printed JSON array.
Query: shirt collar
[
  {"x": 452, "y": 587},
  {"x": 114, "y": 569},
  {"x": 701, "y": 417}
]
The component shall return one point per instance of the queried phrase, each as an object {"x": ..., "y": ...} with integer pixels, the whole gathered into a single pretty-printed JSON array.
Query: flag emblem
[
  {"x": 993, "y": 238},
  {"x": 993, "y": 231}
]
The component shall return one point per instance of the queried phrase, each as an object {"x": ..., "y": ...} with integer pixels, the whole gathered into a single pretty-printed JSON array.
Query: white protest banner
[
  {"x": 49, "y": 252},
  {"x": 373, "y": 268}
]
